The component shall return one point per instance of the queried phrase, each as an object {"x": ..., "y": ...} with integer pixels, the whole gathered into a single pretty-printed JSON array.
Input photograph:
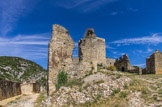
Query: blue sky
[{"x": 129, "y": 26}]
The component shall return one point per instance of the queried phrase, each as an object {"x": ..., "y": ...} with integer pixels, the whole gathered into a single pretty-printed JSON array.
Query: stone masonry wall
[
  {"x": 158, "y": 62},
  {"x": 59, "y": 54},
  {"x": 154, "y": 63},
  {"x": 110, "y": 62},
  {"x": 30, "y": 88},
  {"x": 123, "y": 64},
  {"x": 9, "y": 89},
  {"x": 92, "y": 50}
]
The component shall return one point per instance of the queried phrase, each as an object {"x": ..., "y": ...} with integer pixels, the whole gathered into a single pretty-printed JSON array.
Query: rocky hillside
[
  {"x": 18, "y": 69},
  {"x": 107, "y": 88}
]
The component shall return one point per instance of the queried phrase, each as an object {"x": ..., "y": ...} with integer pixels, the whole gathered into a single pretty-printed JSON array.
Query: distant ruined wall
[
  {"x": 30, "y": 88},
  {"x": 123, "y": 64},
  {"x": 110, "y": 62},
  {"x": 9, "y": 89},
  {"x": 59, "y": 54},
  {"x": 154, "y": 63}
]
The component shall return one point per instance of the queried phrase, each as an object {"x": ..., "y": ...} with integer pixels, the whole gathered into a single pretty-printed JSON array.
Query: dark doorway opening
[{"x": 123, "y": 69}]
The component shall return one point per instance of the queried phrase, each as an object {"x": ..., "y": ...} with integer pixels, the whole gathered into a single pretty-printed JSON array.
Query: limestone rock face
[
  {"x": 92, "y": 49},
  {"x": 60, "y": 53}
]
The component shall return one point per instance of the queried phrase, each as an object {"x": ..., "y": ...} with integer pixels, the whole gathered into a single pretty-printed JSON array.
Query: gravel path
[{"x": 25, "y": 101}]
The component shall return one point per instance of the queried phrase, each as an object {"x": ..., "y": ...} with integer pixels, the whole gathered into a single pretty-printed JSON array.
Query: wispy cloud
[
  {"x": 11, "y": 11},
  {"x": 84, "y": 5},
  {"x": 140, "y": 65},
  {"x": 26, "y": 46},
  {"x": 154, "y": 39},
  {"x": 149, "y": 50},
  {"x": 116, "y": 13},
  {"x": 109, "y": 47},
  {"x": 117, "y": 53},
  {"x": 133, "y": 9}
]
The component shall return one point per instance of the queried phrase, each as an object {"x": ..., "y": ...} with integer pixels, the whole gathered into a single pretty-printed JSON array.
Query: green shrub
[
  {"x": 112, "y": 68},
  {"x": 125, "y": 86},
  {"x": 115, "y": 91},
  {"x": 123, "y": 94},
  {"x": 61, "y": 79}
]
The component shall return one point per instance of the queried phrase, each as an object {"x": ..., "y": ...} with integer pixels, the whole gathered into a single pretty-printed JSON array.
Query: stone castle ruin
[
  {"x": 123, "y": 63},
  {"x": 154, "y": 63},
  {"x": 92, "y": 52}
]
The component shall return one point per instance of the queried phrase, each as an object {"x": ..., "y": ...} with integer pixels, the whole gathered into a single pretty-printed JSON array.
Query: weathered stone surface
[
  {"x": 92, "y": 50},
  {"x": 30, "y": 88},
  {"x": 123, "y": 63},
  {"x": 89, "y": 93},
  {"x": 9, "y": 89},
  {"x": 154, "y": 63},
  {"x": 60, "y": 54},
  {"x": 110, "y": 62}
]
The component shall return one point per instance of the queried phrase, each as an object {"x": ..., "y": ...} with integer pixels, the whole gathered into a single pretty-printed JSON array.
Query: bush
[
  {"x": 123, "y": 94},
  {"x": 115, "y": 91},
  {"x": 112, "y": 68},
  {"x": 61, "y": 79}
]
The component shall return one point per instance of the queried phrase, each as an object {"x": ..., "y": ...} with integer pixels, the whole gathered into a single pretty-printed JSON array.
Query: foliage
[
  {"x": 115, "y": 91},
  {"x": 112, "y": 68},
  {"x": 123, "y": 94},
  {"x": 61, "y": 79},
  {"x": 40, "y": 98}
]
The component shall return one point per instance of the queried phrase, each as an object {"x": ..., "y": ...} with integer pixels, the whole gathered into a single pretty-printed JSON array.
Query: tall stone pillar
[{"x": 59, "y": 54}]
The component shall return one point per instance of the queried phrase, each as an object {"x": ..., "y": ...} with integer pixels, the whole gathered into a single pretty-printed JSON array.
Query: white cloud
[
  {"x": 140, "y": 65},
  {"x": 133, "y": 9},
  {"x": 117, "y": 53},
  {"x": 26, "y": 46},
  {"x": 11, "y": 11},
  {"x": 149, "y": 50},
  {"x": 84, "y": 5},
  {"x": 154, "y": 39},
  {"x": 109, "y": 47}
]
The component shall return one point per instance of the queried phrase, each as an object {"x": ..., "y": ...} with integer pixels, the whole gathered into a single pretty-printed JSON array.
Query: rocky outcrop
[
  {"x": 9, "y": 89},
  {"x": 97, "y": 89}
]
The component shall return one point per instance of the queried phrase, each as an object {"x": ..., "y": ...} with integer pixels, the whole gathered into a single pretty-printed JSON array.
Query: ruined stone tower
[
  {"x": 123, "y": 63},
  {"x": 92, "y": 49},
  {"x": 59, "y": 54},
  {"x": 154, "y": 63}
]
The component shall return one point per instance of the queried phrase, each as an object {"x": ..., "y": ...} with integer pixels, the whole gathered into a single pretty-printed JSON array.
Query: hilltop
[{"x": 21, "y": 70}]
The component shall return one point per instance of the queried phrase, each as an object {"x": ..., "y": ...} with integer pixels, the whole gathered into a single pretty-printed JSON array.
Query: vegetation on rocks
[
  {"x": 109, "y": 89},
  {"x": 20, "y": 70},
  {"x": 112, "y": 68}
]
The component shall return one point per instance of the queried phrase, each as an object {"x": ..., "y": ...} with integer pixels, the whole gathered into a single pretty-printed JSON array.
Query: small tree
[{"x": 61, "y": 79}]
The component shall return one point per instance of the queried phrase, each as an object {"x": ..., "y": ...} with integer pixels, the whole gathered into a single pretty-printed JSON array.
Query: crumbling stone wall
[
  {"x": 123, "y": 63},
  {"x": 154, "y": 63},
  {"x": 110, "y": 62},
  {"x": 59, "y": 54},
  {"x": 92, "y": 50},
  {"x": 9, "y": 89},
  {"x": 30, "y": 88}
]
